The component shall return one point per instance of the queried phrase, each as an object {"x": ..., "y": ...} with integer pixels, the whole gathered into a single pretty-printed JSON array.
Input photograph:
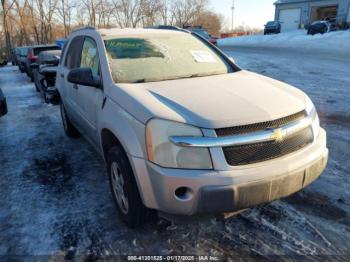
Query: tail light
[{"x": 31, "y": 56}]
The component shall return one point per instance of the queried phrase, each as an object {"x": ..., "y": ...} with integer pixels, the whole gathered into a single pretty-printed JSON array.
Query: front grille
[
  {"x": 254, "y": 153},
  {"x": 259, "y": 126}
]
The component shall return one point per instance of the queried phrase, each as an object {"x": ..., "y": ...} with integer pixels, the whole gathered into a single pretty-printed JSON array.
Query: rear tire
[
  {"x": 69, "y": 129},
  {"x": 124, "y": 189}
]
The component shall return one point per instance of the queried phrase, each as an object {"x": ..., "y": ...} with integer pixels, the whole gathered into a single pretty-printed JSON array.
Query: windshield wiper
[{"x": 145, "y": 80}]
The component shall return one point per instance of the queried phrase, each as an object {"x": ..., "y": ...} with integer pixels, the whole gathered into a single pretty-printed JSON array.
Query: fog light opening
[{"x": 183, "y": 193}]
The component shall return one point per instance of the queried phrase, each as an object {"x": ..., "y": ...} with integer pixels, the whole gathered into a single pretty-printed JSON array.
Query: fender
[{"x": 129, "y": 131}]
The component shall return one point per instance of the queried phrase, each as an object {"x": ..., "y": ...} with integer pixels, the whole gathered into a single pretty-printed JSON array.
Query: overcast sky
[{"x": 253, "y": 13}]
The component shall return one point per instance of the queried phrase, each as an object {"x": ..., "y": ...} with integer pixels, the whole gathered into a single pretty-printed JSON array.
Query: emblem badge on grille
[{"x": 278, "y": 135}]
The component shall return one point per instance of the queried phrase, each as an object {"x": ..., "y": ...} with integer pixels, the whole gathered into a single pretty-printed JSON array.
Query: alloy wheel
[{"x": 118, "y": 185}]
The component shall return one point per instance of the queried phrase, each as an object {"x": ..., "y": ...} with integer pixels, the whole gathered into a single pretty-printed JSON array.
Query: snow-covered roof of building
[{"x": 278, "y": 2}]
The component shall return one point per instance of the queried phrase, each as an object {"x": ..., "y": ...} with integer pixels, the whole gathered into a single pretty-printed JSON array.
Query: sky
[{"x": 253, "y": 13}]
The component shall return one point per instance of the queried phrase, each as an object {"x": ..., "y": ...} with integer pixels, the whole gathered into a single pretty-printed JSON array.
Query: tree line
[{"x": 27, "y": 22}]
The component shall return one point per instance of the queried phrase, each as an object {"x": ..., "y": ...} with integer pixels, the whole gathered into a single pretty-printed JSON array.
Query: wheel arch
[{"x": 108, "y": 140}]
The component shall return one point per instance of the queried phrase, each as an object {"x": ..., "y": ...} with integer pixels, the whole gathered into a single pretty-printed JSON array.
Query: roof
[
  {"x": 42, "y": 46},
  {"x": 52, "y": 52},
  {"x": 135, "y": 31}
]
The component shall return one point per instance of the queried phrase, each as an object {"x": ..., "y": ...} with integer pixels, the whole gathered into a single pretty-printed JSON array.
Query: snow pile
[{"x": 335, "y": 41}]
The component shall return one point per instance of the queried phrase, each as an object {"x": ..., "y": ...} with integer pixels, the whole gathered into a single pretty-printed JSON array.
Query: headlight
[
  {"x": 164, "y": 153},
  {"x": 311, "y": 112}
]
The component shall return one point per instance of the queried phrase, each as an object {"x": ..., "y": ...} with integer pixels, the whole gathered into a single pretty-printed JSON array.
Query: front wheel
[
  {"x": 69, "y": 129},
  {"x": 125, "y": 191}
]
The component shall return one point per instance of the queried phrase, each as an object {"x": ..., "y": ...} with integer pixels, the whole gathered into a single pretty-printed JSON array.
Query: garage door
[{"x": 289, "y": 19}]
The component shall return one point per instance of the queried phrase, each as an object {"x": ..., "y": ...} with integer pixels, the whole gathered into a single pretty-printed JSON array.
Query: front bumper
[{"x": 212, "y": 191}]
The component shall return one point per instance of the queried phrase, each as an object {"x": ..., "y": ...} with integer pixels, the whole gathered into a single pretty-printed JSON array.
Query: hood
[{"x": 239, "y": 98}]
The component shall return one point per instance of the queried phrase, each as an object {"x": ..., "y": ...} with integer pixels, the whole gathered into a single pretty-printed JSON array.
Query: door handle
[{"x": 75, "y": 86}]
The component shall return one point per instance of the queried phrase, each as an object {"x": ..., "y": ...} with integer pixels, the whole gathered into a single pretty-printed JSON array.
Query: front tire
[
  {"x": 124, "y": 189},
  {"x": 69, "y": 129}
]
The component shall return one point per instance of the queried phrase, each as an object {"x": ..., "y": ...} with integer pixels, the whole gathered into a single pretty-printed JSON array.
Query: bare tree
[
  {"x": 211, "y": 21},
  {"x": 128, "y": 13},
  {"x": 91, "y": 7},
  {"x": 65, "y": 14},
  {"x": 6, "y": 7},
  {"x": 43, "y": 21},
  {"x": 186, "y": 11}
]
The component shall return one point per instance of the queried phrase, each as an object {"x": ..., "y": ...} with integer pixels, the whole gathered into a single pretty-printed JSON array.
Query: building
[{"x": 294, "y": 14}]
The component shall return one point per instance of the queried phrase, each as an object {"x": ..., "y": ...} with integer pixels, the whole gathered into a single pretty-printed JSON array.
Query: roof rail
[
  {"x": 167, "y": 27},
  {"x": 193, "y": 26},
  {"x": 84, "y": 28}
]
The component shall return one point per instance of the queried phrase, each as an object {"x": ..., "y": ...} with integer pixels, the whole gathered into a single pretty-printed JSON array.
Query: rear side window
[{"x": 72, "y": 59}]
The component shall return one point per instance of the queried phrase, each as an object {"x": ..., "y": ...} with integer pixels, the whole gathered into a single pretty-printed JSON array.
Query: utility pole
[{"x": 233, "y": 12}]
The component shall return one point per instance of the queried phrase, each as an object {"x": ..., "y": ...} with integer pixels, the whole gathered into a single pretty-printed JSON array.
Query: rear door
[
  {"x": 89, "y": 99},
  {"x": 71, "y": 61},
  {"x": 289, "y": 19}
]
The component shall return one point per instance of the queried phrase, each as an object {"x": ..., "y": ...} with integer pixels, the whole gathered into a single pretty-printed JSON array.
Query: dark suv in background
[
  {"x": 272, "y": 27},
  {"x": 32, "y": 56},
  {"x": 21, "y": 57},
  {"x": 199, "y": 30}
]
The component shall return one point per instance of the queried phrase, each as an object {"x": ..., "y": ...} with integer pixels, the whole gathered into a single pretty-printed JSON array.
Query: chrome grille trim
[{"x": 268, "y": 135}]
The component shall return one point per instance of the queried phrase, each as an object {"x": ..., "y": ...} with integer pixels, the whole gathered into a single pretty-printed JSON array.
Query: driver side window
[{"x": 89, "y": 56}]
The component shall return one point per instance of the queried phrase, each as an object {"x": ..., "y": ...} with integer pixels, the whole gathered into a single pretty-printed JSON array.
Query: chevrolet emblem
[{"x": 278, "y": 135}]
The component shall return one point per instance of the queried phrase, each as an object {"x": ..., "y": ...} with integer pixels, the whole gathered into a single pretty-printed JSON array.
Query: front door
[
  {"x": 89, "y": 99},
  {"x": 71, "y": 61}
]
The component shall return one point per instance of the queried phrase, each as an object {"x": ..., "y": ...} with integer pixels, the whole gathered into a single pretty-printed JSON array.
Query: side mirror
[
  {"x": 34, "y": 66},
  {"x": 83, "y": 76}
]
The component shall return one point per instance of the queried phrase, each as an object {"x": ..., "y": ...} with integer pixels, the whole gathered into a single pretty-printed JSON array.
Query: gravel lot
[{"x": 55, "y": 198}]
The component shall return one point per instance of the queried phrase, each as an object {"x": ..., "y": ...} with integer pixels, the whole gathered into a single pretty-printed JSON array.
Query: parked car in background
[
  {"x": 44, "y": 73},
  {"x": 14, "y": 52},
  {"x": 272, "y": 27},
  {"x": 22, "y": 58},
  {"x": 203, "y": 33},
  {"x": 3, "y": 104},
  {"x": 182, "y": 129},
  {"x": 3, "y": 60},
  {"x": 322, "y": 27},
  {"x": 319, "y": 27},
  {"x": 32, "y": 56}
]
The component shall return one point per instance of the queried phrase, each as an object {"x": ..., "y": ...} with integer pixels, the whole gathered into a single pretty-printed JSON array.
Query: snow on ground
[
  {"x": 55, "y": 199},
  {"x": 338, "y": 41}
]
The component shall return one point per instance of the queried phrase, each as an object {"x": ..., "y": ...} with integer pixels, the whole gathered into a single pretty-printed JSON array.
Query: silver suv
[{"x": 181, "y": 128}]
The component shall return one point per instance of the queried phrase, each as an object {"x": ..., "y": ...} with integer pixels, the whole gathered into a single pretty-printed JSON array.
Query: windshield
[
  {"x": 271, "y": 23},
  {"x": 159, "y": 57}
]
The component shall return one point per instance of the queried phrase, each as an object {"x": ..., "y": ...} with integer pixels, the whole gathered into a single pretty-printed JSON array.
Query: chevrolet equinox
[{"x": 182, "y": 129}]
